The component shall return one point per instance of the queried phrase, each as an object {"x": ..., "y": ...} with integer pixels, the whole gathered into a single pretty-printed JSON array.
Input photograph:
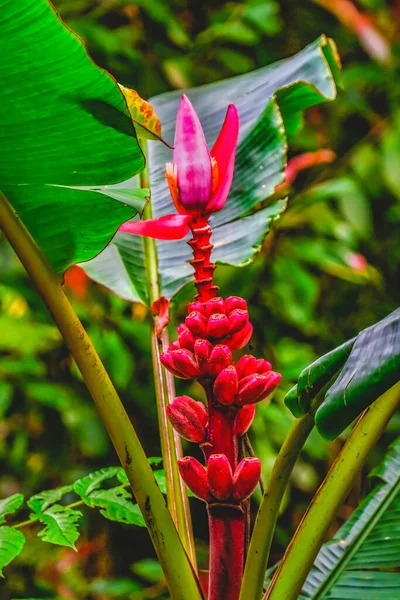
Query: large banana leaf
[
  {"x": 270, "y": 103},
  {"x": 63, "y": 122},
  {"x": 362, "y": 561},
  {"x": 367, "y": 366}
]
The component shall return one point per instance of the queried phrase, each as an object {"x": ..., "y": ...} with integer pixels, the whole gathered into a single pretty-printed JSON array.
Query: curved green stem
[
  {"x": 171, "y": 448},
  {"x": 173, "y": 558},
  {"x": 264, "y": 527},
  {"x": 309, "y": 537}
]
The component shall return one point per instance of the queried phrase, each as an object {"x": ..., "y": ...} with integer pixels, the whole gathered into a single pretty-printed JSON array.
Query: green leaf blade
[
  {"x": 366, "y": 367},
  {"x": 41, "y": 501},
  {"x": 12, "y": 542},
  {"x": 372, "y": 368},
  {"x": 85, "y": 486},
  {"x": 10, "y": 505},
  {"x": 116, "y": 505},
  {"x": 63, "y": 122},
  {"x": 358, "y": 561},
  {"x": 61, "y": 525}
]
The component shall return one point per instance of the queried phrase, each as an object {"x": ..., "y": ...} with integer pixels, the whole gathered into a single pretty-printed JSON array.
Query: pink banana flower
[{"x": 199, "y": 180}]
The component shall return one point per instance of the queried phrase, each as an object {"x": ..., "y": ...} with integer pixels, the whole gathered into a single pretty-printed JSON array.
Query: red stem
[
  {"x": 221, "y": 438},
  {"x": 227, "y": 523},
  {"x": 227, "y": 531},
  {"x": 201, "y": 263}
]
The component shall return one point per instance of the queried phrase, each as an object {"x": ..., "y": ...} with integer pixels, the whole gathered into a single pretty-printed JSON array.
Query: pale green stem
[
  {"x": 171, "y": 448},
  {"x": 310, "y": 534},
  {"x": 264, "y": 527},
  {"x": 178, "y": 570}
]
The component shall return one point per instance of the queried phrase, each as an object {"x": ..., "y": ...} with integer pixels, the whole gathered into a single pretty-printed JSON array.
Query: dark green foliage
[
  {"x": 64, "y": 125},
  {"x": 372, "y": 368},
  {"x": 364, "y": 368},
  {"x": 363, "y": 558}
]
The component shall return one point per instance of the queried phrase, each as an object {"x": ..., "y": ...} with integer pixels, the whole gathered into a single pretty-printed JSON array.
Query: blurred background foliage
[{"x": 329, "y": 269}]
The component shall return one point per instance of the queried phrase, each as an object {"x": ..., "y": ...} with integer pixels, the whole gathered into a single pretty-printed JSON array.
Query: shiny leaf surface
[{"x": 63, "y": 122}]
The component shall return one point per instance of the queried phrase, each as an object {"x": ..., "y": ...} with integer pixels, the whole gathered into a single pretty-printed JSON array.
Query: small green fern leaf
[
  {"x": 116, "y": 504},
  {"x": 10, "y": 505},
  {"x": 61, "y": 525},
  {"x": 12, "y": 542},
  {"x": 86, "y": 485},
  {"x": 40, "y": 502}
]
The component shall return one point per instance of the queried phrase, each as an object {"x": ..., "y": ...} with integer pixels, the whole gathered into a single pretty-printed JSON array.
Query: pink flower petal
[
  {"x": 224, "y": 151},
  {"x": 169, "y": 227},
  {"x": 192, "y": 157}
]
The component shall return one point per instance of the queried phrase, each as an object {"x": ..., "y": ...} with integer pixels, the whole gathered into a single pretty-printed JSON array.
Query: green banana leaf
[
  {"x": 65, "y": 132},
  {"x": 367, "y": 366},
  {"x": 313, "y": 378},
  {"x": 362, "y": 561},
  {"x": 270, "y": 103}
]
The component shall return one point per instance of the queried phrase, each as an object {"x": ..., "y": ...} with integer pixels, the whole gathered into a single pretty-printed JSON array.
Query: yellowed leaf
[{"x": 145, "y": 120}]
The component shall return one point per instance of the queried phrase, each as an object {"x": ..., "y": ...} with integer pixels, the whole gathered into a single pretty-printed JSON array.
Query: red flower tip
[
  {"x": 220, "y": 358},
  {"x": 189, "y": 418},
  {"x": 233, "y": 302},
  {"x": 244, "y": 419},
  {"x": 186, "y": 338},
  {"x": 197, "y": 323},
  {"x": 214, "y": 305},
  {"x": 202, "y": 349},
  {"x": 263, "y": 366},
  {"x": 195, "y": 476},
  {"x": 248, "y": 365},
  {"x": 240, "y": 338},
  {"x": 256, "y": 387},
  {"x": 196, "y": 307},
  {"x": 218, "y": 326},
  {"x": 237, "y": 318},
  {"x": 245, "y": 365},
  {"x": 245, "y": 478},
  {"x": 181, "y": 363},
  {"x": 226, "y": 386},
  {"x": 174, "y": 346},
  {"x": 220, "y": 477}
]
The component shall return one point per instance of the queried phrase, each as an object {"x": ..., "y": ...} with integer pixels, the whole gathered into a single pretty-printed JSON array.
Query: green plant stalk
[
  {"x": 268, "y": 512},
  {"x": 171, "y": 448},
  {"x": 309, "y": 537},
  {"x": 178, "y": 570},
  {"x": 264, "y": 527}
]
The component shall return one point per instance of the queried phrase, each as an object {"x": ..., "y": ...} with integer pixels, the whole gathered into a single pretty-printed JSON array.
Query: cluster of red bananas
[{"x": 203, "y": 351}]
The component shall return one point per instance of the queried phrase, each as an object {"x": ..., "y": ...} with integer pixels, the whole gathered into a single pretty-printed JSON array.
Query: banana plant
[{"x": 212, "y": 161}]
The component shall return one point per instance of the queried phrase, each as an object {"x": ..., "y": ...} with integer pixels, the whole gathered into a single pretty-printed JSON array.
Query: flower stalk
[
  {"x": 199, "y": 182},
  {"x": 227, "y": 531}
]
